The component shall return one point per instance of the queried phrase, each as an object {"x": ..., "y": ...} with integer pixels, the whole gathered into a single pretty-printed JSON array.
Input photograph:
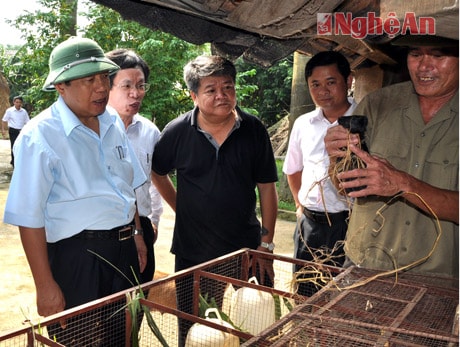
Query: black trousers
[
  {"x": 147, "y": 275},
  {"x": 315, "y": 240},
  {"x": 83, "y": 277},
  {"x": 13, "y": 133}
]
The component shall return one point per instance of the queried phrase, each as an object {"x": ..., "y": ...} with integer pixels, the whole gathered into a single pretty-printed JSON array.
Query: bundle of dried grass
[
  {"x": 355, "y": 125},
  {"x": 315, "y": 274}
]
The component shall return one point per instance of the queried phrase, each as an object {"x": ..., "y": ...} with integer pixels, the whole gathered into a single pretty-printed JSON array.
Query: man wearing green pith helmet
[{"x": 72, "y": 196}]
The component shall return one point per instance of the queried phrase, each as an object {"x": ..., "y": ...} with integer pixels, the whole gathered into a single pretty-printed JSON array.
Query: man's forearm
[
  {"x": 442, "y": 202},
  {"x": 34, "y": 244},
  {"x": 268, "y": 208},
  {"x": 166, "y": 188}
]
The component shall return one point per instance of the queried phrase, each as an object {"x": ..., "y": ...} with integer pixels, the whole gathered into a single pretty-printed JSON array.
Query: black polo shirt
[{"x": 216, "y": 199}]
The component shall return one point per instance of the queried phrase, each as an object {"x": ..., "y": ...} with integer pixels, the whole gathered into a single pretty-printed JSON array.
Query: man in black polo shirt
[{"x": 220, "y": 154}]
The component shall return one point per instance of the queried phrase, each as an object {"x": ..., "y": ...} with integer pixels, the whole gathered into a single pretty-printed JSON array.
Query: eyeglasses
[{"x": 127, "y": 87}]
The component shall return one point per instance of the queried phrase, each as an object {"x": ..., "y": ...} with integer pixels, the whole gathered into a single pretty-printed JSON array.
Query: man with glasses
[
  {"x": 128, "y": 88},
  {"x": 72, "y": 196}
]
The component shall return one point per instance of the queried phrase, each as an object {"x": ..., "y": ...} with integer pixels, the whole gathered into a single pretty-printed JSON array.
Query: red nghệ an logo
[{"x": 340, "y": 23}]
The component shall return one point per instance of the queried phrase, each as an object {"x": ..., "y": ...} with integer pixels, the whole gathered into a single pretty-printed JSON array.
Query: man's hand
[
  {"x": 50, "y": 300},
  {"x": 155, "y": 233},
  {"x": 299, "y": 212},
  {"x": 337, "y": 138},
  {"x": 265, "y": 267},
  {"x": 141, "y": 251},
  {"x": 379, "y": 177}
]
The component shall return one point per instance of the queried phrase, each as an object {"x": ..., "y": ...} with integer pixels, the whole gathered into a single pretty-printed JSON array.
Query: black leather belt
[
  {"x": 121, "y": 233},
  {"x": 322, "y": 218}
]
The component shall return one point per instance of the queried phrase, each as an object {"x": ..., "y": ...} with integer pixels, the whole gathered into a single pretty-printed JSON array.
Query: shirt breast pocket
[
  {"x": 442, "y": 167},
  {"x": 121, "y": 153},
  {"x": 145, "y": 159},
  {"x": 395, "y": 150}
]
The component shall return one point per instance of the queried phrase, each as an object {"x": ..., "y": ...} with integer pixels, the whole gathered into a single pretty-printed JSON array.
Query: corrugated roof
[{"x": 265, "y": 31}]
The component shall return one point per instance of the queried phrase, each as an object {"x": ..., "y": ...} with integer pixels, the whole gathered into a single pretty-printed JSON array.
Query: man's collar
[{"x": 196, "y": 110}]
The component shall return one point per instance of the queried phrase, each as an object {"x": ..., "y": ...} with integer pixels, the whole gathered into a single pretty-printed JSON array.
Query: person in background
[
  {"x": 15, "y": 118},
  {"x": 220, "y": 154},
  {"x": 127, "y": 90},
  {"x": 411, "y": 174},
  {"x": 322, "y": 213},
  {"x": 72, "y": 196}
]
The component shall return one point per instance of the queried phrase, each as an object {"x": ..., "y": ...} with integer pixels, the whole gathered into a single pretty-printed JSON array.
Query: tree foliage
[
  {"x": 272, "y": 94},
  {"x": 165, "y": 54},
  {"x": 263, "y": 92},
  {"x": 27, "y": 69}
]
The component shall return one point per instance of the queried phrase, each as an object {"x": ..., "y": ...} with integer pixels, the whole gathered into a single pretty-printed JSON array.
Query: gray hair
[{"x": 205, "y": 66}]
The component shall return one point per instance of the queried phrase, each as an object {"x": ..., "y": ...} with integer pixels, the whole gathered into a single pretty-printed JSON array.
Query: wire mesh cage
[
  {"x": 225, "y": 302},
  {"x": 246, "y": 304},
  {"x": 359, "y": 308},
  {"x": 98, "y": 323}
]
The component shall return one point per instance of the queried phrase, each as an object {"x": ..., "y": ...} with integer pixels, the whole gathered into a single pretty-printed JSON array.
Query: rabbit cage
[{"x": 222, "y": 303}]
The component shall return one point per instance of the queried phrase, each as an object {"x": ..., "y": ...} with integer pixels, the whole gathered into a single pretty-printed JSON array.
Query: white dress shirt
[
  {"x": 307, "y": 153},
  {"x": 15, "y": 118},
  {"x": 143, "y": 134}
]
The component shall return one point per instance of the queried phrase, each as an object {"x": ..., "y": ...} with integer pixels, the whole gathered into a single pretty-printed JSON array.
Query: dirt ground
[{"x": 17, "y": 291}]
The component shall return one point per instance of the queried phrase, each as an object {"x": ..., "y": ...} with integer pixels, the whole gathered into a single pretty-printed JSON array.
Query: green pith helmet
[{"x": 76, "y": 58}]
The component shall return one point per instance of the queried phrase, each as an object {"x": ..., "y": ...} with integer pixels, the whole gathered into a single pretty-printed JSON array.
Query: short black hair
[
  {"x": 127, "y": 59},
  {"x": 205, "y": 66},
  {"x": 328, "y": 58},
  {"x": 18, "y": 97}
]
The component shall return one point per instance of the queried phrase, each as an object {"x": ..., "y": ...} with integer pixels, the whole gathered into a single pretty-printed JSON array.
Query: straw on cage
[
  {"x": 355, "y": 125},
  {"x": 358, "y": 124},
  {"x": 315, "y": 273},
  {"x": 397, "y": 269}
]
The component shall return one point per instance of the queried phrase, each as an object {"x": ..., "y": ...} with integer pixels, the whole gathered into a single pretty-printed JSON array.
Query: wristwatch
[{"x": 270, "y": 246}]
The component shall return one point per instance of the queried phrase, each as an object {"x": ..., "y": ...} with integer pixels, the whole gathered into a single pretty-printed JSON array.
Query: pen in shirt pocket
[{"x": 121, "y": 153}]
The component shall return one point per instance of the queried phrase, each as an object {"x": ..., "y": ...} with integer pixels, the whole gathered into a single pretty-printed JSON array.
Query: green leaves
[
  {"x": 262, "y": 92},
  {"x": 165, "y": 54},
  {"x": 135, "y": 308}
]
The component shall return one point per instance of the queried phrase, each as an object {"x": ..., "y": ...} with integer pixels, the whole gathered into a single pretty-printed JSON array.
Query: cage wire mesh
[
  {"x": 409, "y": 310},
  {"x": 246, "y": 303},
  {"x": 99, "y": 323},
  {"x": 224, "y": 303},
  {"x": 175, "y": 303}
]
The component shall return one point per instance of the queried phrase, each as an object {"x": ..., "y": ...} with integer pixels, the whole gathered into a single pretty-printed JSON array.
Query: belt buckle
[{"x": 125, "y": 233}]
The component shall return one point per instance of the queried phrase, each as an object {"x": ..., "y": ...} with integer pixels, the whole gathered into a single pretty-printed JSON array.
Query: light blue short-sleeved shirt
[{"x": 67, "y": 178}]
